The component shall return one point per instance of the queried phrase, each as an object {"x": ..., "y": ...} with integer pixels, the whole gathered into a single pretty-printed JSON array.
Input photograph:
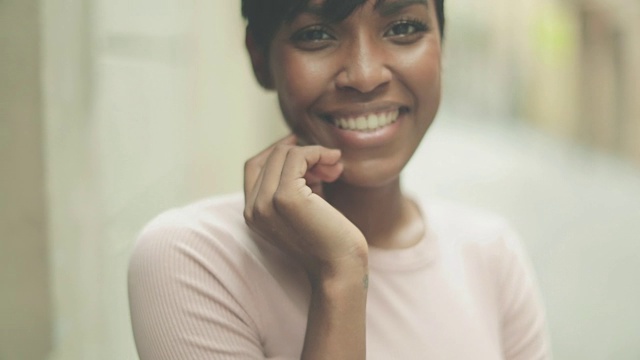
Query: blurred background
[{"x": 113, "y": 111}]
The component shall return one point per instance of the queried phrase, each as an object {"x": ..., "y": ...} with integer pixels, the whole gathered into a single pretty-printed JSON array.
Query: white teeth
[
  {"x": 361, "y": 123},
  {"x": 383, "y": 120},
  {"x": 372, "y": 121},
  {"x": 369, "y": 122}
]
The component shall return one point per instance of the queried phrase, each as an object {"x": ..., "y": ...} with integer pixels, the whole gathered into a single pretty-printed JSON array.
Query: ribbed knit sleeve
[{"x": 184, "y": 295}]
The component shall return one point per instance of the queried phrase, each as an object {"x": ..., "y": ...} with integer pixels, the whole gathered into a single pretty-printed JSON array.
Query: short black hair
[{"x": 264, "y": 17}]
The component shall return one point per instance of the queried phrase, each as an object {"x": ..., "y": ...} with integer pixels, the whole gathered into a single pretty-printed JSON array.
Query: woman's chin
[{"x": 364, "y": 176}]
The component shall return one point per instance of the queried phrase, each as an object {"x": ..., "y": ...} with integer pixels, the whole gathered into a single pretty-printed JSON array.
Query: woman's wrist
[
  {"x": 337, "y": 312},
  {"x": 346, "y": 274}
]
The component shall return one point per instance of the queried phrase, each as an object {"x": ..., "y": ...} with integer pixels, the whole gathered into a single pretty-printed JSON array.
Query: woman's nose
[{"x": 365, "y": 67}]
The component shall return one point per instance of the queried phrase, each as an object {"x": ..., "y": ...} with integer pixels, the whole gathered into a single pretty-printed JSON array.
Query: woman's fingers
[
  {"x": 253, "y": 167},
  {"x": 278, "y": 174},
  {"x": 278, "y": 186},
  {"x": 325, "y": 173},
  {"x": 270, "y": 178},
  {"x": 299, "y": 163},
  {"x": 315, "y": 159}
]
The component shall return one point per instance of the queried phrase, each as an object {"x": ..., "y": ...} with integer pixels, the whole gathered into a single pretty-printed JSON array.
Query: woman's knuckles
[
  {"x": 262, "y": 210},
  {"x": 255, "y": 162},
  {"x": 249, "y": 164},
  {"x": 288, "y": 202},
  {"x": 283, "y": 148},
  {"x": 248, "y": 216}
]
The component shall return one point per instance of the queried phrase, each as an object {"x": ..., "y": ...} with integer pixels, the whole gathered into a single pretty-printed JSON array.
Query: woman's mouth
[
  {"x": 364, "y": 122},
  {"x": 366, "y": 128}
]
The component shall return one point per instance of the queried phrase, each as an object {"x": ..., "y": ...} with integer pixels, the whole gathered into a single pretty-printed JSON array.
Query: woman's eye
[
  {"x": 311, "y": 35},
  {"x": 406, "y": 28}
]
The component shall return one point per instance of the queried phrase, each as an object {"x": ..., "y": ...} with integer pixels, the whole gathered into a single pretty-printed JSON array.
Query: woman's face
[{"x": 369, "y": 85}]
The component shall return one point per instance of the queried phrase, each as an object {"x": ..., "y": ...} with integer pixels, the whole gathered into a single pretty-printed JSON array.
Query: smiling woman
[
  {"x": 387, "y": 64},
  {"x": 282, "y": 272}
]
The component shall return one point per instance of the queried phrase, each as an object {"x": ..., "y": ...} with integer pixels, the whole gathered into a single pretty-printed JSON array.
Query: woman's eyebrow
[{"x": 392, "y": 7}]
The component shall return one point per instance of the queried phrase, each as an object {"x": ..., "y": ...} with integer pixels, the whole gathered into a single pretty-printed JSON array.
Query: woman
[{"x": 283, "y": 272}]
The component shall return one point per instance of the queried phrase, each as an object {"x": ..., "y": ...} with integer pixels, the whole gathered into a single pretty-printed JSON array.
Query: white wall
[{"x": 149, "y": 105}]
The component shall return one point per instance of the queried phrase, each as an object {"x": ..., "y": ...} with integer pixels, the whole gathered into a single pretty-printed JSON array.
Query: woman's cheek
[{"x": 304, "y": 84}]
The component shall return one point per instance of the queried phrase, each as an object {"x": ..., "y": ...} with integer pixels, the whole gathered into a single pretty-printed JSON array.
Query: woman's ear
[{"x": 259, "y": 61}]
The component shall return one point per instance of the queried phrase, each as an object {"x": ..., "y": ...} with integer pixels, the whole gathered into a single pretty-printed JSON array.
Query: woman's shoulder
[
  {"x": 189, "y": 259},
  {"x": 224, "y": 209},
  {"x": 475, "y": 234},
  {"x": 213, "y": 227},
  {"x": 210, "y": 232},
  {"x": 462, "y": 223},
  {"x": 494, "y": 255}
]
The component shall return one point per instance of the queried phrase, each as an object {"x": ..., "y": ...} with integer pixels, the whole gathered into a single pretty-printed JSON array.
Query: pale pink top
[{"x": 203, "y": 286}]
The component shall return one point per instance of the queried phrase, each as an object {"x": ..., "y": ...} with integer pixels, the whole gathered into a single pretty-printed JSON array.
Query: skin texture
[{"x": 323, "y": 194}]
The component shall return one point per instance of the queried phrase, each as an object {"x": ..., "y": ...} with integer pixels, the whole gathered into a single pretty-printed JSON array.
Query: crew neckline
[{"x": 414, "y": 257}]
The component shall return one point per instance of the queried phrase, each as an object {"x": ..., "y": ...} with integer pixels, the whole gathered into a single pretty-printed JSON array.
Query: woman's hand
[{"x": 284, "y": 204}]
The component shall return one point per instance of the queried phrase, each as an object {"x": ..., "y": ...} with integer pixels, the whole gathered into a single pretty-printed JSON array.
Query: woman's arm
[
  {"x": 281, "y": 205},
  {"x": 336, "y": 321}
]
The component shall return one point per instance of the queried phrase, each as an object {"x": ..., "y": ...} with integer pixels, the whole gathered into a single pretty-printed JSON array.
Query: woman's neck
[{"x": 385, "y": 216}]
